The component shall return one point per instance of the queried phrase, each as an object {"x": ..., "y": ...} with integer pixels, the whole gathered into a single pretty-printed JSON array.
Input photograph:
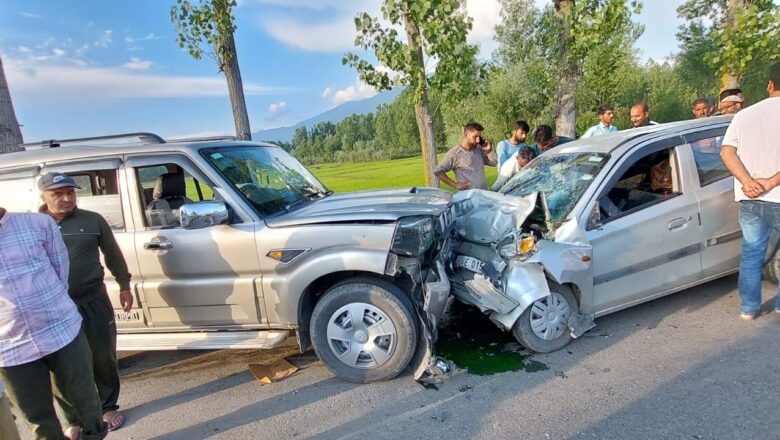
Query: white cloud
[
  {"x": 23, "y": 49},
  {"x": 138, "y": 64},
  {"x": 354, "y": 92},
  {"x": 328, "y": 92},
  {"x": 80, "y": 51},
  {"x": 317, "y": 5},
  {"x": 105, "y": 39},
  {"x": 149, "y": 37},
  {"x": 38, "y": 78},
  {"x": 29, "y": 14},
  {"x": 486, "y": 14},
  {"x": 314, "y": 37},
  {"x": 57, "y": 52},
  {"x": 276, "y": 109}
]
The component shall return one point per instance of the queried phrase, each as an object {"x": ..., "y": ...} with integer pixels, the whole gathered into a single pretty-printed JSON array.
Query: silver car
[
  {"x": 236, "y": 245},
  {"x": 595, "y": 226}
]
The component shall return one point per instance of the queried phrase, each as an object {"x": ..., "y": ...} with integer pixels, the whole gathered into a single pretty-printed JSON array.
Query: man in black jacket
[{"x": 86, "y": 235}]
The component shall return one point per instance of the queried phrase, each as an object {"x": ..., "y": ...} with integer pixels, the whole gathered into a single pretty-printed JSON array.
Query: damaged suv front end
[{"x": 521, "y": 258}]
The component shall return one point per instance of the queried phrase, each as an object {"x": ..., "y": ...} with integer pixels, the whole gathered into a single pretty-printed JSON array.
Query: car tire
[
  {"x": 377, "y": 347},
  {"x": 552, "y": 330},
  {"x": 772, "y": 267}
]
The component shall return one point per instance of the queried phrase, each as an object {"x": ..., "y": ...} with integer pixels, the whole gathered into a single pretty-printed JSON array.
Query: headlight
[
  {"x": 413, "y": 236},
  {"x": 519, "y": 246}
]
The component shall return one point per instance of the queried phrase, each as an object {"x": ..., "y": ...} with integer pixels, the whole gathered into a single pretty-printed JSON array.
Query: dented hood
[
  {"x": 487, "y": 217},
  {"x": 383, "y": 205}
]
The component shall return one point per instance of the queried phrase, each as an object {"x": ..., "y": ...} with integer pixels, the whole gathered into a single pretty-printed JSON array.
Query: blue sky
[{"x": 90, "y": 67}]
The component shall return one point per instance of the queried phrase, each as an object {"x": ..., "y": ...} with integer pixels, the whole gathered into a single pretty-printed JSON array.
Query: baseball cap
[
  {"x": 731, "y": 98},
  {"x": 50, "y": 181}
]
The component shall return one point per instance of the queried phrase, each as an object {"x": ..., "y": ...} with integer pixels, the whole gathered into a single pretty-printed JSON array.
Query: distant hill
[{"x": 336, "y": 114}]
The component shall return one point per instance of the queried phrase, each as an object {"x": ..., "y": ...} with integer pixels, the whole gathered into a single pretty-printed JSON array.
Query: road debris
[{"x": 273, "y": 372}]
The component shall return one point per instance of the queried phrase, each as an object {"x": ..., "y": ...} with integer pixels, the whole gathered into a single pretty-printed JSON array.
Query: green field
[{"x": 378, "y": 174}]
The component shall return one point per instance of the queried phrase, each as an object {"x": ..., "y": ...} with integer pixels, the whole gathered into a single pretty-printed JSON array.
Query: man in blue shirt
[
  {"x": 506, "y": 148},
  {"x": 606, "y": 116}
]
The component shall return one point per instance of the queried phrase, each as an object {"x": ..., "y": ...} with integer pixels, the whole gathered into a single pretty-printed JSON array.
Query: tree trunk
[
  {"x": 731, "y": 80},
  {"x": 236, "y": 91},
  {"x": 10, "y": 134},
  {"x": 422, "y": 108},
  {"x": 566, "y": 107}
]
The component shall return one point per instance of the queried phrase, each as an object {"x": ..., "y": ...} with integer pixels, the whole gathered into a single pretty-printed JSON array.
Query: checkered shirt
[{"x": 37, "y": 317}]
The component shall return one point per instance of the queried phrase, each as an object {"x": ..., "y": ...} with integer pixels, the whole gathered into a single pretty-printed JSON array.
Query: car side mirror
[{"x": 200, "y": 215}]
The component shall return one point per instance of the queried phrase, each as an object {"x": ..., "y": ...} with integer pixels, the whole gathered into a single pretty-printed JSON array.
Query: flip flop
[
  {"x": 72, "y": 432},
  {"x": 114, "y": 420}
]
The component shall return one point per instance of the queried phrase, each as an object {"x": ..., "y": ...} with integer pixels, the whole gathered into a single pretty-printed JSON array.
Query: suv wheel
[
  {"x": 544, "y": 325},
  {"x": 364, "y": 330}
]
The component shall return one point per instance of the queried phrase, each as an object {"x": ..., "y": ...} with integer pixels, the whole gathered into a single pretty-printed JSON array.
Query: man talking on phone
[{"x": 468, "y": 160}]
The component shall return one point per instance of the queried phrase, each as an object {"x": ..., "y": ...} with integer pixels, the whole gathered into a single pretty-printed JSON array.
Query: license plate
[
  {"x": 122, "y": 316},
  {"x": 469, "y": 263}
]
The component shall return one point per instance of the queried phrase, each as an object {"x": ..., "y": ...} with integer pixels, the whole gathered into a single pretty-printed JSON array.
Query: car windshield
[
  {"x": 562, "y": 178},
  {"x": 269, "y": 178}
]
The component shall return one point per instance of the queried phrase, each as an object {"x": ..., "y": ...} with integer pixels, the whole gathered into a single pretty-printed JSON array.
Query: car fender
[{"x": 526, "y": 283}]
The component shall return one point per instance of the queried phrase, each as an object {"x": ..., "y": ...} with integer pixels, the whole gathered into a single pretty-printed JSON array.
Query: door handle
[
  {"x": 159, "y": 245},
  {"x": 678, "y": 223}
]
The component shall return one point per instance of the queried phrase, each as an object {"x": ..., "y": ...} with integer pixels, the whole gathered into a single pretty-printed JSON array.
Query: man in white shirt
[
  {"x": 751, "y": 151},
  {"x": 606, "y": 116}
]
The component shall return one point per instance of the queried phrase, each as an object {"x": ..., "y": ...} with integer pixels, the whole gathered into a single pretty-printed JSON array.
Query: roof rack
[
  {"x": 145, "y": 138},
  {"x": 204, "y": 138}
]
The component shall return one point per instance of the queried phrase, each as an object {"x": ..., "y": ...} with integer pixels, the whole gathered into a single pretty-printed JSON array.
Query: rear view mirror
[{"x": 203, "y": 214}]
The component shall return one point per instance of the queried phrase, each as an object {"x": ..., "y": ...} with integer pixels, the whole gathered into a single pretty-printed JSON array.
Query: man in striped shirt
[{"x": 40, "y": 328}]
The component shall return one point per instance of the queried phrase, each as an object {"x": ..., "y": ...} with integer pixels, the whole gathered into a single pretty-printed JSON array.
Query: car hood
[{"x": 362, "y": 206}]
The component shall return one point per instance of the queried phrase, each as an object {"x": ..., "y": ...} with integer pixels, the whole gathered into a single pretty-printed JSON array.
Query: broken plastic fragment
[
  {"x": 438, "y": 371},
  {"x": 579, "y": 324}
]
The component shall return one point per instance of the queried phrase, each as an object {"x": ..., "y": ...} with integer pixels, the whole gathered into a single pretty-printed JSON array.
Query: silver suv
[{"x": 235, "y": 244}]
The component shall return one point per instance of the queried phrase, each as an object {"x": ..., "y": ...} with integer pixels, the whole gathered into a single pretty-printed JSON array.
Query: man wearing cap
[
  {"x": 40, "y": 334},
  {"x": 730, "y": 105},
  {"x": 86, "y": 235}
]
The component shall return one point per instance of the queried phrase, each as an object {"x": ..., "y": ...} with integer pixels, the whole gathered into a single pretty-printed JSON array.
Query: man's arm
[
  {"x": 116, "y": 263},
  {"x": 589, "y": 132},
  {"x": 750, "y": 186},
  {"x": 489, "y": 155},
  {"x": 56, "y": 250}
]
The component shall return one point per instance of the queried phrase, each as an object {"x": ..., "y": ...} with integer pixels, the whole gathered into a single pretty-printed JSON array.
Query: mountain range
[{"x": 335, "y": 115}]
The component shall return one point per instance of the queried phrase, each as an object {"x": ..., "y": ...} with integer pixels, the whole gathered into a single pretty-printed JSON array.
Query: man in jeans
[
  {"x": 751, "y": 151},
  {"x": 86, "y": 235},
  {"x": 40, "y": 330}
]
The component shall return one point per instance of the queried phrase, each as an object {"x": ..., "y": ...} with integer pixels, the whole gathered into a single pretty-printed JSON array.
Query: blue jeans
[{"x": 757, "y": 219}]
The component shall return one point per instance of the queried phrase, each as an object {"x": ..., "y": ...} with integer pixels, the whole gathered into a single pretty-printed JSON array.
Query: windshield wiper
[{"x": 307, "y": 197}]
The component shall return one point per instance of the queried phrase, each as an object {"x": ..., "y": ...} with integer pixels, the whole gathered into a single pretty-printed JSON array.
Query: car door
[
  {"x": 102, "y": 191},
  {"x": 721, "y": 236},
  {"x": 646, "y": 236},
  {"x": 191, "y": 278}
]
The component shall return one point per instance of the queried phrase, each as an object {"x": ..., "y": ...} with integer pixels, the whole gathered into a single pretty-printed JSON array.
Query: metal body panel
[
  {"x": 334, "y": 248},
  {"x": 525, "y": 283},
  {"x": 201, "y": 340}
]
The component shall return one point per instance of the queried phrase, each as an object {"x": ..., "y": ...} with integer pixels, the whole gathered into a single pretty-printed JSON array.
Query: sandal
[
  {"x": 72, "y": 433},
  {"x": 114, "y": 420}
]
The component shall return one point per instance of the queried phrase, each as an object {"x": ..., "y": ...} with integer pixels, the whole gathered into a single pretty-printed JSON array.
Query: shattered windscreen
[{"x": 563, "y": 178}]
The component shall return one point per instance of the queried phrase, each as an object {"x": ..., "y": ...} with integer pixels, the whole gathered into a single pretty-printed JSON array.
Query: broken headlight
[
  {"x": 519, "y": 246},
  {"x": 413, "y": 236}
]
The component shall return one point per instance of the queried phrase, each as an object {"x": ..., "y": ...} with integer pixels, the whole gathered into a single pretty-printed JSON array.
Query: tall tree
[
  {"x": 741, "y": 32},
  {"x": 10, "y": 134},
  {"x": 584, "y": 26},
  {"x": 212, "y": 24},
  {"x": 435, "y": 29}
]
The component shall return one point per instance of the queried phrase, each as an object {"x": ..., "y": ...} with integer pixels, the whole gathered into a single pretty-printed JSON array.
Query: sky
[{"x": 94, "y": 67}]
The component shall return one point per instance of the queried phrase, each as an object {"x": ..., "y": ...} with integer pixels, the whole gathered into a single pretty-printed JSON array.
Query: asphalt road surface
[{"x": 680, "y": 367}]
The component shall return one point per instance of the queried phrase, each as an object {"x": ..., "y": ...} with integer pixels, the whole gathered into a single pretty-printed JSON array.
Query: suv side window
[
  {"x": 164, "y": 188},
  {"x": 100, "y": 193},
  {"x": 649, "y": 180},
  {"x": 709, "y": 165}
]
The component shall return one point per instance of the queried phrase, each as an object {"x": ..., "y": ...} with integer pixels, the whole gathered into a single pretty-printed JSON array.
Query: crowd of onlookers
[{"x": 467, "y": 160}]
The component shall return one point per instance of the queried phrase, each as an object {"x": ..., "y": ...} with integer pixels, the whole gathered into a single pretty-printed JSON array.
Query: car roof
[
  {"x": 89, "y": 151},
  {"x": 608, "y": 144}
]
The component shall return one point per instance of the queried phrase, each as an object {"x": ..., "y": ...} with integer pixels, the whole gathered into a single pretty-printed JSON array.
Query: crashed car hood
[
  {"x": 487, "y": 217},
  {"x": 381, "y": 205}
]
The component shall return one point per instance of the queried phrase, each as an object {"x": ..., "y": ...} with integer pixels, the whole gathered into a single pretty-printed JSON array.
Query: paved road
[{"x": 681, "y": 367}]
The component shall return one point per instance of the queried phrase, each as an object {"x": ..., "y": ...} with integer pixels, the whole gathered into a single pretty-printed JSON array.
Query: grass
[{"x": 379, "y": 174}]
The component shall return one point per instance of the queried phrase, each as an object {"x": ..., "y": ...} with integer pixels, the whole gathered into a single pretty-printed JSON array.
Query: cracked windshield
[
  {"x": 562, "y": 178},
  {"x": 271, "y": 181}
]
